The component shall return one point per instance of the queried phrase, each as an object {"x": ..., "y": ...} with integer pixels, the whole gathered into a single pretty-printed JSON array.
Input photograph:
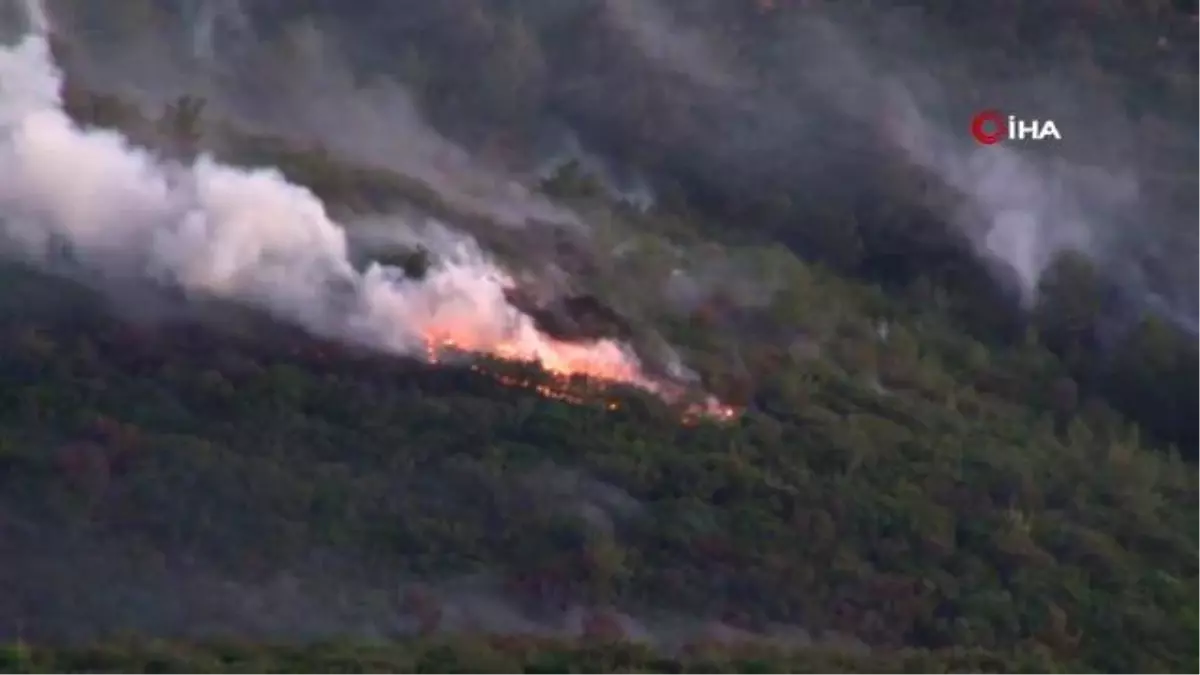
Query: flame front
[{"x": 604, "y": 363}]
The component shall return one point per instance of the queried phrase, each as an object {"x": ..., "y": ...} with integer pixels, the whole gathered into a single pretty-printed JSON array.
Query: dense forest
[{"x": 931, "y": 470}]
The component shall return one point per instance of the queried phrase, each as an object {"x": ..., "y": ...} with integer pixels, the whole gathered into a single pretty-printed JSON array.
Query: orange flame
[{"x": 603, "y": 363}]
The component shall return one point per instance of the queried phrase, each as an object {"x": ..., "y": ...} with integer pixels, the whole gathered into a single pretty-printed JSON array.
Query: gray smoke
[
  {"x": 302, "y": 89},
  {"x": 249, "y": 236},
  {"x": 745, "y": 109},
  {"x": 1021, "y": 210}
]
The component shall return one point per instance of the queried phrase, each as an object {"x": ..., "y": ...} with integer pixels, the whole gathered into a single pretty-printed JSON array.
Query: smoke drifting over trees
[
  {"x": 753, "y": 106},
  {"x": 968, "y": 374}
]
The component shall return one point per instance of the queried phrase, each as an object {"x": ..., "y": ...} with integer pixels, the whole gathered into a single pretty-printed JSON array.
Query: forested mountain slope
[
  {"x": 836, "y": 129},
  {"x": 923, "y": 472}
]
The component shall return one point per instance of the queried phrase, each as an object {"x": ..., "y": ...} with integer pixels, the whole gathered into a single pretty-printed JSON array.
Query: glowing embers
[{"x": 587, "y": 386}]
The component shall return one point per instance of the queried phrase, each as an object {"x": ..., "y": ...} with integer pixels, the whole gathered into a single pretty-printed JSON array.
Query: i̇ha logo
[{"x": 989, "y": 127}]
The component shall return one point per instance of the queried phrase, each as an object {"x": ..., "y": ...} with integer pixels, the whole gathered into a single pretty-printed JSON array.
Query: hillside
[{"x": 922, "y": 474}]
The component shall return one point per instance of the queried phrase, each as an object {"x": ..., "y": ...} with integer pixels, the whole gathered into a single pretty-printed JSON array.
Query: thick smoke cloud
[
  {"x": 799, "y": 103},
  {"x": 88, "y": 199}
]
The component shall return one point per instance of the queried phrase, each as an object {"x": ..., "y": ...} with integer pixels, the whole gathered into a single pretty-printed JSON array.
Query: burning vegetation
[
  {"x": 576, "y": 381},
  {"x": 574, "y": 345}
]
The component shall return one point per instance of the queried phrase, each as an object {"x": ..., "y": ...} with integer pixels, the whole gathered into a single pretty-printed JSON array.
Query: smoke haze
[
  {"x": 1022, "y": 210},
  {"x": 305, "y": 92},
  {"x": 89, "y": 198},
  {"x": 812, "y": 110},
  {"x": 811, "y": 105}
]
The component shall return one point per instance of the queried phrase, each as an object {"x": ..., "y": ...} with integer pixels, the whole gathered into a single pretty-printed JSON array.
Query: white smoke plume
[
  {"x": 249, "y": 236},
  {"x": 1022, "y": 211}
]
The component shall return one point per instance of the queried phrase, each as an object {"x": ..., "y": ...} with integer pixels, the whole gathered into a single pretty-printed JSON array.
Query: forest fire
[{"x": 602, "y": 364}]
